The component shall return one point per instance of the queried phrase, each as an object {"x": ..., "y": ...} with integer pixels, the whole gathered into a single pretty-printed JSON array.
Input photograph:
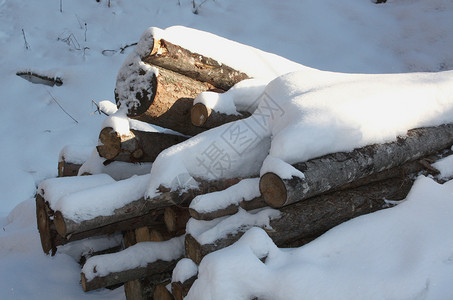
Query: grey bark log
[
  {"x": 308, "y": 219},
  {"x": 334, "y": 170}
]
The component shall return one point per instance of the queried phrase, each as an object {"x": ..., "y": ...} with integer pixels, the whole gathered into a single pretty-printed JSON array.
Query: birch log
[{"x": 334, "y": 170}]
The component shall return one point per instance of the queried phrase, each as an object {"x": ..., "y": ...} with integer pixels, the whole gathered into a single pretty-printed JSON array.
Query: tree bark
[
  {"x": 311, "y": 218},
  {"x": 193, "y": 65},
  {"x": 169, "y": 103},
  {"x": 181, "y": 289},
  {"x": 137, "y": 146},
  {"x": 205, "y": 117},
  {"x": 334, "y": 170},
  {"x": 111, "y": 279}
]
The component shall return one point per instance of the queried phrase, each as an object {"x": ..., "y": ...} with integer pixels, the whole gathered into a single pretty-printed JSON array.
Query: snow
[
  {"x": 445, "y": 166},
  {"x": 355, "y": 116},
  {"x": 207, "y": 232},
  {"x": 336, "y": 37},
  {"x": 138, "y": 255},
  {"x": 245, "y": 190},
  {"x": 54, "y": 189},
  {"x": 75, "y": 154},
  {"x": 134, "y": 73},
  {"x": 240, "y": 98},
  {"x": 394, "y": 253},
  {"x": 254, "y": 62},
  {"x": 118, "y": 170},
  {"x": 184, "y": 269},
  {"x": 101, "y": 200}
]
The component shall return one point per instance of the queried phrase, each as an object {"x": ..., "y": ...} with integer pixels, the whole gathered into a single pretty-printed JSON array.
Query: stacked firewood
[
  {"x": 179, "y": 76},
  {"x": 336, "y": 187}
]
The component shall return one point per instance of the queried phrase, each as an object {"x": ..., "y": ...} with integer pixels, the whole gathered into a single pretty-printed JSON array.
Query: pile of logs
[{"x": 336, "y": 187}]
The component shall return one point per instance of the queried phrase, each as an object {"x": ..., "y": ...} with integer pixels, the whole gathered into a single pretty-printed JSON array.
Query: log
[
  {"x": 161, "y": 292},
  {"x": 175, "y": 218},
  {"x": 103, "y": 225},
  {"x": 193, "y": 65},
  {"x": 146, "y": 288},
  {"x": 311, "y": 218},
  {"x": 255, "y": 203},
  {"x": 169, "y": 103},
  {"x": 111, "y": 279},
  {"x": 334, "y": 170},
  {"x": 181, "y": 289},
  {"x": 67, "y": 168},
  {"x": 137, "y": 146},
  {"x": 138, "y": 213},
  {"x": 205, "y": 117},
  {"x": 47, "y": 232}
]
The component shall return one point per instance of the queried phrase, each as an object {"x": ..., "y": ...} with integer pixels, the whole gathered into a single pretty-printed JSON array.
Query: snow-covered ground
[{"x": 80, "y": 42}]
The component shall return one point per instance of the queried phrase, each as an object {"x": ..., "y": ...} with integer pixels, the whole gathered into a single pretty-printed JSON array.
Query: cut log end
[
  {"x": 273, "y": 190},
  {"x": 43, "y": 223},
  {"x": 110, "y": 143},
  {"x": 60, "y": 224},
  {"x": 84, "y": 282},
  {"x": 199, "y": 114}
]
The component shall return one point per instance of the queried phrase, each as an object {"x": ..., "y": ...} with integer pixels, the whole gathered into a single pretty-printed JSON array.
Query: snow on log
[
  {"x": 302, "y": 221},
  {"x": 184, "y": 275},
  {"x": 71, "y": 158},
  {"x": 157, "y": 96},
  {"x": 121, "y": 206},
  {"x": 205, "y": 117},
  {"x": 105, "y": 209},
  {"x": 334, "y": 170},
  {"x": 243, "y": 58},
  {"x": 118, "y": 170},
  {"x": 213, "y": 205},
  {"x": 48, "y": 194},
  {"x": 199, "y": 67},
  {"x": 138, "y": 261},
  {"x": 136, "y": 146}
]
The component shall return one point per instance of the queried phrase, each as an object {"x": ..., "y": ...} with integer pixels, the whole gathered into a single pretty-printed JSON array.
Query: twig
[
  {"x": 61, "y": 6},
  {"x": 109, "y": 52},
  {"x": 98, "y": 109},
  {"x": 197, "y": 7},
  {"x": 53, "y": 98},
  {"x": 27, "y": 46},
  {"x": 86, "y": 28}
]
